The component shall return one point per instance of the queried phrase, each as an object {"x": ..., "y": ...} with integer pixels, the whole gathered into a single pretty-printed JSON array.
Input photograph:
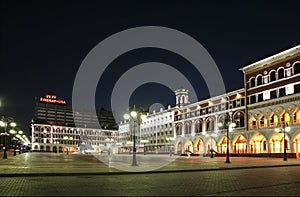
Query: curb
[{"x": 143, "y": 172}]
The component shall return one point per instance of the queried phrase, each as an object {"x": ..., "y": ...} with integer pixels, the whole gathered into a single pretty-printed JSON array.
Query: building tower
[{"x": 182, "y": 97}]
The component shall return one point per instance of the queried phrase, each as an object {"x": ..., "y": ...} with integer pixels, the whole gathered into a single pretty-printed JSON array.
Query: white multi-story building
[
  {"x": 196, "y": 124},
  {"x": 53, "y": 138},
  {"x": 269, "y": 101},
  {"x": 54, "y": 130},
  {"x": 158, "y": 129}
]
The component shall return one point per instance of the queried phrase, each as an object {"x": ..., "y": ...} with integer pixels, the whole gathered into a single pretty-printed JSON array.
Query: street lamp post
[
  {"x": 211, "y": 148},
  {"x": 20, "y": 132},
  {"x": 5, "y": 122},
  {"x": 229, "y": 125},
  {"x": 135, "y": 117},
  {"x": 14, "y": 139},
  {"x": 285, "y": 127},
  {"x": 118, "y": 145},
  {"x": 145, "y": 142},
  {"x": 170, "y": 139},
  {"x": 4, "y": 135}
]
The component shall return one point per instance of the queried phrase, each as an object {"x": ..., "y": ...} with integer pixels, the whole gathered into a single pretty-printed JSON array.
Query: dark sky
[{"x": 44, "y": 42}]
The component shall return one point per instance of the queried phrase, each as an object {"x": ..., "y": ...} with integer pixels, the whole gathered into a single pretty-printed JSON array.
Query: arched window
[
  {"x": 262, "y": 122},
  {"x": 239, "y": 119},
  {"x": 210, "y": 124},
  {"x": 285, "y": 118},
  {"x": 178, "y": 129},
  {"x": 273, "y": 75},
  {"x": 198, "y": 126},
  {"x": 242, "y": 120},
  {"x": 188, "y": 128},
  {"x": 259, "y": 80},
  {"x": 273, "y": 120},
  {"x": 280, "y": 73},
  {"x": 221, "y": 121},
  {"x": 252, "y": 122},
  {"x": 297, "y": 68},
  {"x": 296, "y": 116},
  {"x": 252, "y": 82}
]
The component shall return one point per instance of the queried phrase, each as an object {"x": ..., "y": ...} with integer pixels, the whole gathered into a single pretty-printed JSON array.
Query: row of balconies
[
  {"x": 269, "y": 124},
  {"x": 153, "y": 129}
]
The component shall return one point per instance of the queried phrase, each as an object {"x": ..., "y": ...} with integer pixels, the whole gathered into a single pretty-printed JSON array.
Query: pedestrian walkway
[{"x": 51, "y": 164}]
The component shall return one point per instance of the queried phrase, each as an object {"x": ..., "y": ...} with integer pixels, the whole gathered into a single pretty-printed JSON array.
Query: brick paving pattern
[{"x": 197, "y": 176}]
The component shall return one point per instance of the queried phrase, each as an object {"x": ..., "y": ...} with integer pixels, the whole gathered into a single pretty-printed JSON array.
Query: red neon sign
[{"x": 51, "y": 100}]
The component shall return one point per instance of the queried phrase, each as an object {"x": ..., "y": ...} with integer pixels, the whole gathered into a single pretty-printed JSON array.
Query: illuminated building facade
[
  {"x": 51, "y": 110},
  {"x": 272, "y": 88},
  {"x": 196, "y": 124},
  {"x": 54, "y": 130},
  {"x": 270, "y": 99},
  {"x": 53, "y": 138},
  {"x": 156, "y": 129}
]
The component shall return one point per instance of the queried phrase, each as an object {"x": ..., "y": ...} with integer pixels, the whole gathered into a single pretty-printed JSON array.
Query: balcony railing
[
  {"x": 262, "y": 126},
  {"x": 294, "y": 122}
]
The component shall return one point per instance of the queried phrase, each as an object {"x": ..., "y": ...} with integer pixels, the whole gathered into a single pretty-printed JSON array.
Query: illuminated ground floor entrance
[{"x": 258, "y": 143}]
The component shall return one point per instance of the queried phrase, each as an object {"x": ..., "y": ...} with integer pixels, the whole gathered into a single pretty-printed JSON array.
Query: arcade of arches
[
  {"x": 289, "y": 116},
  {"x": 257, "y": 143},
  {"x": 54, "y": 148}
]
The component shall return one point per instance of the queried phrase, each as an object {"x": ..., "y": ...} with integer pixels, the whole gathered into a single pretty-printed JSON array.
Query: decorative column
[
  {"x": 51, "y": 134},
  {"x": 183, "y": 130},
  {"x": 203, "y": 125},
  {"x": 192, "y": 128},
  {"x": 216, "y": 123}
]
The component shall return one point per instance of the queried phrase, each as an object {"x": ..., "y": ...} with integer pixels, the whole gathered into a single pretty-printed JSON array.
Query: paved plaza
[{"x": 50, "y": 174}]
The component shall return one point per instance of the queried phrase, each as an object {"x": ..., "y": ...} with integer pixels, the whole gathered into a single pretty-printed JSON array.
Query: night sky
[{"x": 44, "y": 42}]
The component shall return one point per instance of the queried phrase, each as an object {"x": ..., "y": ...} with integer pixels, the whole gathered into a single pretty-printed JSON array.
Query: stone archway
[
  {"x": 54, "y": 149},
  {"x": 240, "y": 145},
  {"x": 178, "y": 148},
  {"x": 296, "y": 142},
  {"x": 42, "y": 148},
  {"x": 198, "y": 146},
  {"x": 222, "y": 145},
  {"x": 48, "y": 149},
  {"x": 188, "y": 147},
  {"x": 258, "y": 144},
  {"x": 210, "y": 144},
  {"x": 36, "y": 147},
  {"x": 277, "y": 143}
]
